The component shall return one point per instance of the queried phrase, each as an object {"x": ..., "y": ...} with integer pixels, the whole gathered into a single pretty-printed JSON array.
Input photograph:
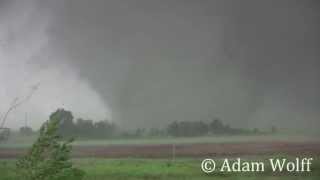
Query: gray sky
[{"x": 147, "y": 62}]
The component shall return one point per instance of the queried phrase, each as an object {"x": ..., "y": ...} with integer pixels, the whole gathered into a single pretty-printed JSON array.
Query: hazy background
[{"x": 147, "y": 63}]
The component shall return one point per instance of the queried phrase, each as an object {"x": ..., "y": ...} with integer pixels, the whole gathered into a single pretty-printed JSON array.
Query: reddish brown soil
[{"x": 186, "y": 150}]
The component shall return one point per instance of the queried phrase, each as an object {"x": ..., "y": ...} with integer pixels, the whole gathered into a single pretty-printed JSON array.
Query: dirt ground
[{"x": 185, "y": 150}]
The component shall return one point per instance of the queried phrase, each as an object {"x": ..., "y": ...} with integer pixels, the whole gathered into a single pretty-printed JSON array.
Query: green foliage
[
  {"x": 66, "y": 127},
  {"x": 199, "y": 128},
  {"x": 82, "y": 128},
  {"x": 187, "y": 128},
  {"x": 89, "y": 129},
  {"x": 26, "y": 131},
  {"x": 4, "y": 134},
  {"x": 49, "y": 157}
]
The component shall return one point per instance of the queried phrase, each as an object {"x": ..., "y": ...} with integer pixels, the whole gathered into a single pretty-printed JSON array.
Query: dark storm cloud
[
  {"x": 251, "y": 63},
  {"x": 248, "y": 62}
]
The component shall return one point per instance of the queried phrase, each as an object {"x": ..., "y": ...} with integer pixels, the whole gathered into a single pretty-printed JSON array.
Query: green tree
[
  {"x": 274, "y": 129},
  {"x": 49, "y": 157},
  {"x": 26, "y": 131},
  {"x": 66, "y": 126},
  {"x": 104, "y": 129},
  {"x": 85, "y": 128},
  {"x": 173, "y": 129},
  {"x": 217, "y": 127}
]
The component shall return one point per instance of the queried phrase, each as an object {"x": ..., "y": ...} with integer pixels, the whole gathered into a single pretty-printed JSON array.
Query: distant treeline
[
  {"x": 83, "y": 128},
  {"x": 105, "y": 129}
]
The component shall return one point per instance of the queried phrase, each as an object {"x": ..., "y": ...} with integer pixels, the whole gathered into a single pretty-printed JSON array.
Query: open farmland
[
  {"x": 174, "y": 158},
  {"x": 182, "y": 147}
]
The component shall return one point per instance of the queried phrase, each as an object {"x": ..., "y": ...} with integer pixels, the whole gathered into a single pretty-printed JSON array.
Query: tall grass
[{"x": 162, "y": 169}]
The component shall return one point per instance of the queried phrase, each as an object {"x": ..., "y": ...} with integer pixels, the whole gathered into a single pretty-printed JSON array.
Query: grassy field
[{"x": 162, "y": 169}]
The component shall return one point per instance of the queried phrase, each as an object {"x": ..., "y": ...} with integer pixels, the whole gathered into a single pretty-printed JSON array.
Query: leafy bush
[{"x": 49, "y": 157}]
